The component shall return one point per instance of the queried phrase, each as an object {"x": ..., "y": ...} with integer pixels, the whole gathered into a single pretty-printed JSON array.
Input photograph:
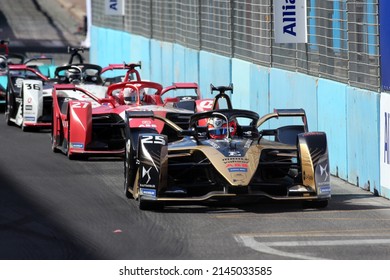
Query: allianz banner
[
  {"x": 385, "y": 140},
  {"x": 290, "y": 21},
  {"x": 114, "y": 7}
]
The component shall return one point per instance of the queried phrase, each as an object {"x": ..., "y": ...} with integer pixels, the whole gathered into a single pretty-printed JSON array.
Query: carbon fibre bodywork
[{"x": 283, "y": 163}]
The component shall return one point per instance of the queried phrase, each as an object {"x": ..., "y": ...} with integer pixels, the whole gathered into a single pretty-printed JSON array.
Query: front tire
[
  {"x": 53, "y": 146},
  {"x": 129, "y": 170},
  {"x": 68, "y": 154}
]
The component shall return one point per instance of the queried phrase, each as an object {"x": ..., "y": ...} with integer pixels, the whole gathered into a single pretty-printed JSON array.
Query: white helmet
[{"x": 130, "y": 96}]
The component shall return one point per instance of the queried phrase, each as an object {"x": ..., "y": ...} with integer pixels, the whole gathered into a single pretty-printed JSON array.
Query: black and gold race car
[{"x": 225, "y": 153}]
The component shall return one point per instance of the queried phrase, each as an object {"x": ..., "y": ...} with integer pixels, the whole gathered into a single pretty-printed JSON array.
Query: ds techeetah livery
[{"x": 225, "y": 153}]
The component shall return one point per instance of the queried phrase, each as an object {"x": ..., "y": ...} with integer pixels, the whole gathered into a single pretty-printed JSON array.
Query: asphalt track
[
  {"x": 39, "y": 27},
  {"x": 54, "y": 208}
]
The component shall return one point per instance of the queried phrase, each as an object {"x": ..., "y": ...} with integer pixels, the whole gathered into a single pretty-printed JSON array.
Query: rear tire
[{"x": 7, "y": 117}]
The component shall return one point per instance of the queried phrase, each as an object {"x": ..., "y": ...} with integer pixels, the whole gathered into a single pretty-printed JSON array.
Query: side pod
[{"x": 313, "y": 151}]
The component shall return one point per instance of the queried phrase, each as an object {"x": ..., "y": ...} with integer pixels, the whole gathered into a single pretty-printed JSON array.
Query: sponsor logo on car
[
  {"x": 324, "y": 172},
  {"x": 148, "y": 192},
  {"x": 29, "y": 119},
  {"x": 235, "y": 160},
  {"x": 29, "y": 107},
  {"x": 325, "y": 189},
  {"x": 77, "y": 145},
  {"x": 237, "y": 167},
  {"x": 146, "y": 172}
]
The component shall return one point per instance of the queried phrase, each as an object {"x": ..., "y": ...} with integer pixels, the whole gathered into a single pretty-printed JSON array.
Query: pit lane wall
[{"x": 351, "y": 117}]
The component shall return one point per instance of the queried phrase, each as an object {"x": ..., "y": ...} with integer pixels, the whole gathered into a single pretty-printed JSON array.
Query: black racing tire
[
  {"x": 7, "y": 111},
  {"x": 69, "y": 155},
  {"x": 129, "y": 172},
  {"x": 53, "y": 147},
  {"x": 7, "y": 117}
]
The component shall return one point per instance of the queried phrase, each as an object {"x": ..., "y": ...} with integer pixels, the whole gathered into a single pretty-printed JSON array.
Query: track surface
[{"x": 54, "y": 208}]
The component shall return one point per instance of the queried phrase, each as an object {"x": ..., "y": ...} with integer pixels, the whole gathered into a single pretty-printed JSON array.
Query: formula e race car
[
  {"x": 85, "y": 75},
  {"x": 93, "y": 77},
  {"x": 27, "y": 103},
  {"x": 118, "y": 73},
  {"x": 141, "y": 95},
  {"x": 3, "y": 79},
  {"x": 27, "y": 87},
  {"x": 179, "y": 95},
  {"x": 86, "y": 125},
  {"x": 228, "y": 157}
]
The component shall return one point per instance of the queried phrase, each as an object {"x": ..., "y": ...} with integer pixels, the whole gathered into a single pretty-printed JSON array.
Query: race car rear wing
[
  {"x": 285, "y": 134},
  {"x": 284, "y": 113}
]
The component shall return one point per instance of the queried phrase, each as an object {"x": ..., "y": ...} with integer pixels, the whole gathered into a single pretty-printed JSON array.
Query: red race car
[
  {"x": 84, "y": 124},
  {"x": 178, "y": 95},
  {"x": 148, "y": 96}
]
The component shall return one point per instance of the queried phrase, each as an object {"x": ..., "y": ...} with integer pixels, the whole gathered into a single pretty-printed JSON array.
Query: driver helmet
[
  {"x": 73, "y": 75},
  {"x": 129, "y": 96},
  {"x": 217, "y": 127}
]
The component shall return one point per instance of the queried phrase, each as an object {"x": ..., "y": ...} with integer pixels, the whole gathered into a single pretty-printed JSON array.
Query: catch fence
[{"x": 343, "y": 35}]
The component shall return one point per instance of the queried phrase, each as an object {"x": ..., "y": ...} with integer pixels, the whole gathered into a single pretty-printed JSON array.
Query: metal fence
[{"x": 343, "y": 35}]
